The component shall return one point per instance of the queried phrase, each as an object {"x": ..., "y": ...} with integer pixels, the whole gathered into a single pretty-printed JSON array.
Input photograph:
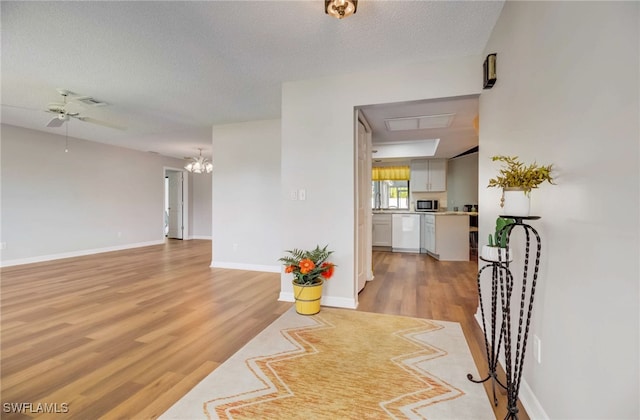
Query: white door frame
[{"x": 185, "y": 199}]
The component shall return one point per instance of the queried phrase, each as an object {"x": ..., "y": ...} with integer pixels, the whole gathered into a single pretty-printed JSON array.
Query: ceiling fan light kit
[
  {"x": 340, "y": 9},
  {"x": 199, "y": 165}
]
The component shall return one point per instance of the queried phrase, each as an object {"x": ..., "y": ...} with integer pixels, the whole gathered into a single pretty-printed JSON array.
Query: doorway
[
  {"x": 175, "y": 213},
  {"x": 438, "y": 128}
]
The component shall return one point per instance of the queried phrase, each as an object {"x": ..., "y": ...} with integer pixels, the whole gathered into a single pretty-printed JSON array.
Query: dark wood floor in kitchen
[{"x": 126, "y": 334}]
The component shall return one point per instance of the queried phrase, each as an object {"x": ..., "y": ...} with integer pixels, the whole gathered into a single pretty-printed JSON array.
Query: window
[{"x": 390, "y": 195}]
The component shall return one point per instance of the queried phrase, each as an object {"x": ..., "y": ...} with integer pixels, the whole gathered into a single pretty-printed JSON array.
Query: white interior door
[
  {"x": 176, "y": 205},
  {"x": 363, "y": 207}
]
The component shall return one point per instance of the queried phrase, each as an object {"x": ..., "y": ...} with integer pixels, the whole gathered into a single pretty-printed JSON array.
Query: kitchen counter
[
  {"x": 456, "y": 213},
  {"x": 394, "y": 212},
  {"x": 443, "y": 234},
  {"x": 436, "y": 213}
]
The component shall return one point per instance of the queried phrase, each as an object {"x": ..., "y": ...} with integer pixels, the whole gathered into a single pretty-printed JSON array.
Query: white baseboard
[
  {"x": 531, "y": 403},
  {"x": 286, "y": 297},
  {"x": 206, "y": 238},
  {"x": 248, "y": 267},
  {"x": 526, "y": 396},
  {"x": 339, "y": 302},
  {"x": 72, "y": 254},
  {"x": 336, "y": 302},
  {"x": 478, "y": 317}
]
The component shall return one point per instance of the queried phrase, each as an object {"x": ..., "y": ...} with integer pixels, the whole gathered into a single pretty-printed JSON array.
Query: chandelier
[{"x": 199, "y": 165}]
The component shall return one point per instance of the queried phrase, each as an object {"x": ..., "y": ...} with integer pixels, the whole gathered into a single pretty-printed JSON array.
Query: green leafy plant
[
  {"x": 500, "y": 233},
  {"x": 516, "y": 174},
  {"x": 308, "y": 267}
]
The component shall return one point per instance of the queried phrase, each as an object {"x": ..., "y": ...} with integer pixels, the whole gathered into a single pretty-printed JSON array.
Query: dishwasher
[{"x": 405, "y": 233}]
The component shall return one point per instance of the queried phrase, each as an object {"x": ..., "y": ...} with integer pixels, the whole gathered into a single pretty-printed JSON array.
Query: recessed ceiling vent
[
  {"x": 419, "y": 123},
  {"x": 88, "y": 100}
]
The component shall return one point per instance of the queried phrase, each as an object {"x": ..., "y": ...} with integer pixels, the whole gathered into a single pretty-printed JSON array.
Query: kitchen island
[
  {"x": 443, "y": 235},
  {"x": 446, "y": 235}
]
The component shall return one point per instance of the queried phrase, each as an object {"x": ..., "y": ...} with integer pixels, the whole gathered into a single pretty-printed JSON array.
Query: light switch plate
[
  {"x": 537, "y": 349},
  {"x": 302, "y": 194}
]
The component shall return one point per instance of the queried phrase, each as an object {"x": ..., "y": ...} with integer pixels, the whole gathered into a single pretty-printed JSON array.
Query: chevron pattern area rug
[{"x": 343, "y": 364}]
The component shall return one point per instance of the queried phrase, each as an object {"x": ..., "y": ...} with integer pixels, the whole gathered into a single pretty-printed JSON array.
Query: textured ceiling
[{"x": 170, "y": 70}]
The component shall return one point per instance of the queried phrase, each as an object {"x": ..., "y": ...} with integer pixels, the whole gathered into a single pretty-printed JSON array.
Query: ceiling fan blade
[
  {"x": 100, "y": 122},
  {"x": 21, "y": 107},
  {"x": 55, "y": 122}
]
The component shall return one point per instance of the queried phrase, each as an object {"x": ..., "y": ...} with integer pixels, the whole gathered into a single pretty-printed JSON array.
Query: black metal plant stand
[
  {"x": 514, "y": 346},
  {"x": 493, "y": 348}
]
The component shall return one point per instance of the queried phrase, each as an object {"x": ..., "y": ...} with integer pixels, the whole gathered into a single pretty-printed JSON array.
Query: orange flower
[
  {"x": 306, "y": 265},
  {"x": 289, "y": 269},
  {"x": 329, "y": 270}
]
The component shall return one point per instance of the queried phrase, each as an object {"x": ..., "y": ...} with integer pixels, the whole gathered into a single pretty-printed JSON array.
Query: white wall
[
  {"x": 462, "y": 181},
  {"x": 246, "y": 196},
  {"x": 567, "y": 93},
  {"x": 318, "y": 154},
  {"x": 200, "y": 186},
  {"x": 94, "y": 198}
]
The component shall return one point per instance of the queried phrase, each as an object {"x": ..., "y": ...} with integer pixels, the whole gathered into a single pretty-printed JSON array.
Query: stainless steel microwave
[{"x": 426, "y": 205}]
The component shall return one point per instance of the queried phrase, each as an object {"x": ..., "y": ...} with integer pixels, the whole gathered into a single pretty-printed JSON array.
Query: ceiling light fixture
[
  {"x": 340, "y": 8},
  {"x": 199, "y": 165}
]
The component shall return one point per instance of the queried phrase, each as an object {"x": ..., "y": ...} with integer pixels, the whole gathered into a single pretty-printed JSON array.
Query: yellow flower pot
[{"x": 307, "y": 298}]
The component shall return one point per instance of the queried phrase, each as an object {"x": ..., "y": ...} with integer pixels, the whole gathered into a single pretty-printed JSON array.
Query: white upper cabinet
[
  {"x": 438, "y": 175},
  {"x": 428, "y": 175}
]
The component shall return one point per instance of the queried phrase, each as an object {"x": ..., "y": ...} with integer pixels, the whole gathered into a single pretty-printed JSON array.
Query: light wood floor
[{"x": 126, "y": 334}]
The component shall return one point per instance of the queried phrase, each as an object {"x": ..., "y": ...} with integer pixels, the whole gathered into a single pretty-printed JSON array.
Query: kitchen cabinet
[
  {"x": 428, "y": 175},
  {"x": 381, "y": 230},
  {"x": 405, "y": 233},
  {"x": 429, "y": 233},
  {"x": 446, "y": 236}
]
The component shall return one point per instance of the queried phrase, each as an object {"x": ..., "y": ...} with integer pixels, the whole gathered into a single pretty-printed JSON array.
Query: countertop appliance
[
  {"x": 470, "y": 207},
  {"x": 426, "y": 205}
]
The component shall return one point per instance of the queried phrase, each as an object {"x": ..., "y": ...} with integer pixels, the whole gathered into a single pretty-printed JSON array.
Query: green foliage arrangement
[
  {"x": 500, "y": 234},
  {"x": 518, "y": 175},
  {"x": 308, "y": 267}
]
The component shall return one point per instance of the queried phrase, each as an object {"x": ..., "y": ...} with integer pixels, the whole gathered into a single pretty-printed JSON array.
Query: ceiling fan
[{"x": 63, "y": 114}]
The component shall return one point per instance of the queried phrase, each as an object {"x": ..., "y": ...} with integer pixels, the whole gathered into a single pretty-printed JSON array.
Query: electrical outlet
[
  {"x": 235, "y": 247},
  {"x": 537, "y": 349},
  {"x": 3, "y": 245}
]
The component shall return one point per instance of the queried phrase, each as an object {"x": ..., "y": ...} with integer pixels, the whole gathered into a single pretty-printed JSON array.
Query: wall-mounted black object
[{"x": 489, "y": 71}]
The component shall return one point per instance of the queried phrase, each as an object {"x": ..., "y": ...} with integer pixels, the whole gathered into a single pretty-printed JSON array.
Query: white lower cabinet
[
  {"x": 429, "y": 233},
  {"x": 381, "y": 230}
]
